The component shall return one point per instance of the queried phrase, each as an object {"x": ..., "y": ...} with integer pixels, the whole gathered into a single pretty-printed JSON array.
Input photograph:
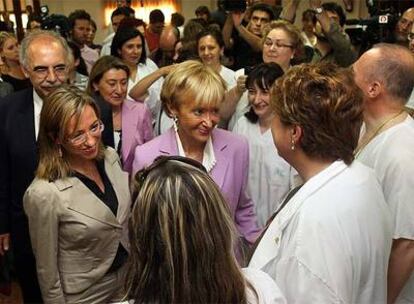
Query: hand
[
  {"x": 4, "y": 243},
  {"x": 167, "y": 69},
  {"x": 241, "y": 83},
  {"x": 237, "y": 18}
]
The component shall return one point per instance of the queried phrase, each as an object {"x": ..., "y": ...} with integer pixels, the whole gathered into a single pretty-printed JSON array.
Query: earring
[
  {"x": 60, "y": 151},
  {"x": 175, "y": 121},
  {"x": 292, "y": 147}
]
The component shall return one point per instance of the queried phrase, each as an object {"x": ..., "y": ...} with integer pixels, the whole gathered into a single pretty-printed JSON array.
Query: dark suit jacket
[{"x": 18, "y": 162}]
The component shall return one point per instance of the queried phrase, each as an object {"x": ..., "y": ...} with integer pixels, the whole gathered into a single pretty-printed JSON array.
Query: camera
[
  {"x": 232, "y": 5},
  {"x": 367, "y": 32}
]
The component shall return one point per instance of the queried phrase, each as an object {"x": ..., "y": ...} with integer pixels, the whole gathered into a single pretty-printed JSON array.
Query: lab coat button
[{"x": 277, "y": 240}]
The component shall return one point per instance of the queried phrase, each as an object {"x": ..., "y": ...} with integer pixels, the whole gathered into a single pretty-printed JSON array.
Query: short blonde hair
[
  {"x": 193, "y": 79},
  {"x": 58, "y": 109}
]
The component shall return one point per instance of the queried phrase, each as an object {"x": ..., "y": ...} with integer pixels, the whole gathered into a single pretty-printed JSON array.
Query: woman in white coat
[
  {"x": 269, "y": 174},
  {"x": 330, "y": 242}
]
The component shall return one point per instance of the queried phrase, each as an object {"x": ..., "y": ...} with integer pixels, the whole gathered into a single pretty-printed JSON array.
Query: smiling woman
[
  {"x": 77, "y": 205},
  {"x": 131, "y": 121},
  {"x": 191, "y": 95}
]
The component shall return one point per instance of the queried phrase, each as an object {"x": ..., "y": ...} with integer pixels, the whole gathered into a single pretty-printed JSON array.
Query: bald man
[
  {"x": 163, "y": 56},
  {"x": 385, "y": 75},
  {"x": 403, "y": 27}
]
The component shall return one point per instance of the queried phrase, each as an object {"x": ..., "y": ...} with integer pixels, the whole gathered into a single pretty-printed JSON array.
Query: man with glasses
[{"x": 46, "y": 58}]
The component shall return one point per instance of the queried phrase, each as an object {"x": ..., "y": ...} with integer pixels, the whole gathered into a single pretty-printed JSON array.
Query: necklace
[{"x": 375, "y": 133}]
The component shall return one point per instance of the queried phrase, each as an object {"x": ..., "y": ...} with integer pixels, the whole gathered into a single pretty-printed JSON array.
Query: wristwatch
[{"x": 318, "y": 10}]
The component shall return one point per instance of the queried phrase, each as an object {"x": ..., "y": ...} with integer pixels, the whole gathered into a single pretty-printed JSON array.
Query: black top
[
  {"x": 243, "y": 53},
  {"x": 17, "y": 84},
  {"x": 108, "y": 198}
]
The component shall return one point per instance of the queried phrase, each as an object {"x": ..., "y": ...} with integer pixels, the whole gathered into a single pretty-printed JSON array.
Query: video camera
[
  {"x": 378, "y": 28},
  {"x": 54, "y": 22},
  {"x": 232, "y": 5}
]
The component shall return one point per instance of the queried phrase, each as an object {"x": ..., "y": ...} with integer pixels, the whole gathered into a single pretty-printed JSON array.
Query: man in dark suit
[{"x": 46, "y": 60}]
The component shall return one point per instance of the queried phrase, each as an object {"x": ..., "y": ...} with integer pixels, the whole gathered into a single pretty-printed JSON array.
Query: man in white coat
[{"x": 385, "y": 74}]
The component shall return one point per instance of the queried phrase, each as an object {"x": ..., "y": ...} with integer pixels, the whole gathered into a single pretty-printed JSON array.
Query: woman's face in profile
[
  {"x": 282, "y": 137},
  {"x": 83, "y": 136}
]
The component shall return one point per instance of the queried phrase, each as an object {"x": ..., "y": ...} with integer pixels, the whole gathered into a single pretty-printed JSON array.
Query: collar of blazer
[
  {"x": 81, "y": 200},
  {"x": 169, "y": 147},
  {"x": 268, "y": 247}
]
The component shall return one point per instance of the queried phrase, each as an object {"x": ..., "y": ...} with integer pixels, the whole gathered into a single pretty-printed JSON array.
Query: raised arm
[
  {"x": 141, "y": 88},
  {"x": 289, "y": 11},
  {"x": 226, "y": 31},
  {"x": 254, "y": 41}
]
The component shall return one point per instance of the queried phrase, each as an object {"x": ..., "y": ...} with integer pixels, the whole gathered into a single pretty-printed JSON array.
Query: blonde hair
[
  {"x": 3, "y": 37},
  {"x": 182, "y": 237},
  {"x": 193, "y": 79},
  {"x": 58, "y": 109}
]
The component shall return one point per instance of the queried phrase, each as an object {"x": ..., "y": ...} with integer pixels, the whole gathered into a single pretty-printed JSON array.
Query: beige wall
[{"x": 189, "y": 6}]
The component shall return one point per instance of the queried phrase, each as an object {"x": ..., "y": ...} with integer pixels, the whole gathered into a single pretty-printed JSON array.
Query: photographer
[
  {"x": 332, "y": 45},
  {"x": 246, "y": 38}
]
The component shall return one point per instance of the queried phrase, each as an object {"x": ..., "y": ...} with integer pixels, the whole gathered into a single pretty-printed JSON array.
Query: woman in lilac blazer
[
  {"x": 131, "y": 121},
  {"x": 192, "y": 95}
]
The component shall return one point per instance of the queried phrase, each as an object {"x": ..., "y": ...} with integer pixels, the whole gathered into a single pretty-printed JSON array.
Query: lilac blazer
[
  {"x": 136, "y": 130},
  {"x": 230, "y": 172}
]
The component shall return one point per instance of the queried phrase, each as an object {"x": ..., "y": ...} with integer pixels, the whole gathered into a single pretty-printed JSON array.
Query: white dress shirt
[{"x": 38, "y": 104}]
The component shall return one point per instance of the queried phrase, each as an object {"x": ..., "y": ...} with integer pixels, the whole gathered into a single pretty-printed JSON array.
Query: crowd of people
[{"x": 231, "y": 158}]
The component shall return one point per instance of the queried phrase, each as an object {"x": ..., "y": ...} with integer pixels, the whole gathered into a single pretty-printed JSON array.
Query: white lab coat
[
  {"x": 269, "y": 174},
  {"x": 391, "y": 155},
  {"x": 331, "y": 242}
]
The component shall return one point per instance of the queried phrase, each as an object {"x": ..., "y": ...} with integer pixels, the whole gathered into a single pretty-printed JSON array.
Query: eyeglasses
[
  {"x": 411, "y": 36},
  {"x": 277, "y": 43},
  {"x": 95, "y": 130},
  {"x": 42, "y": 72}
]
